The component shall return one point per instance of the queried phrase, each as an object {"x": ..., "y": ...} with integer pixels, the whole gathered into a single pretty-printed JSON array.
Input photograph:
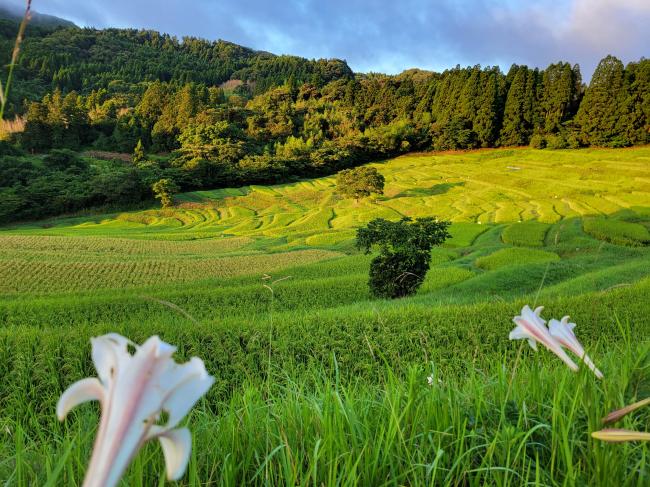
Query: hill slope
[{"x": 56, "y": 53}]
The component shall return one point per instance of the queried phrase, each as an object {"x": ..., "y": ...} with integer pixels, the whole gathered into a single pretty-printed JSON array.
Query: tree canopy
[
  {"x": 404, "y": 253},
  {"x": 359, "y": 182}
]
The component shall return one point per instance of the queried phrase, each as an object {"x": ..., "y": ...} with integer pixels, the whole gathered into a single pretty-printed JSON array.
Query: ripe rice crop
[{"x": 37, "y": 277}]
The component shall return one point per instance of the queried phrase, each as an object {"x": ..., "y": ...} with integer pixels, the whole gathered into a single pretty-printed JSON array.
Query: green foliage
[
  {"x": 138, "y": 153},
  {"x": 612, "y": 109},
  {"x": 560, "y": 97},
  {"x": 360, "y": 182},
  {"x": 521, "y": 111},
  {"x": 538, "y": 141},
  {"x": 557, "y": 141},
  {"x": 361, "y": 429},
  {"x": 617, "y": 232},
  {"x": 233, "y": 116},
  {"x": 319, "y": 365},
  {"x": 405, "y": 253},
  {"x": 64, "y": 160},
  {"x": 453, "y": 135},
  {"x": 164, "y": 190},
  {"x": 73, "y": 59},
  {"x": 62, "y": 182}
]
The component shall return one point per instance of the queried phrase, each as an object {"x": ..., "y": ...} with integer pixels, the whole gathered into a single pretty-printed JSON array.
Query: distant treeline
[{"x": 282, "y": 117}]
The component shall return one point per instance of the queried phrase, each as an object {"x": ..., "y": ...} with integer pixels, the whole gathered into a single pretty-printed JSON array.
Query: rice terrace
[
  {"x": 503, "y": 203},
  {"x": 291, "y": 273}
]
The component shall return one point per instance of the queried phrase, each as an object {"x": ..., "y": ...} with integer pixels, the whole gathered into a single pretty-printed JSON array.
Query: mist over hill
[{"x": 14, "y": 13}]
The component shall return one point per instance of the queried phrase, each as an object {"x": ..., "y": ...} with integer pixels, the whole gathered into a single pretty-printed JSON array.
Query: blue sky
[{"x": 390, "y": 36}]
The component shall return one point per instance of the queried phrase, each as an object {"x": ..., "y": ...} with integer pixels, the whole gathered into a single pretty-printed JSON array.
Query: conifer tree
[
  {"x": 636, "y": 122},
  {"x": 486, "y": 120},
  {"x": 602, "y": 112},
  {"x": 138, "y": 152},
  {"x": 521, "y": 115}
]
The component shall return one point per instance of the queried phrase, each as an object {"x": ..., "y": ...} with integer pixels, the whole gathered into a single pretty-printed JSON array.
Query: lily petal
[
  {"x": 177, "y": 446},
  {"x": 533, "y": 328},
  {"x": 107, "y": 352},
  {"x": 518, "y": 333},
  {"x": 162, "y": 350},
  {"x": 620, "y": 435},
  {"x": 187, "y": 393},
  {"x": 81, "y": 391},
  {"x": 134, "y": 389},
  {"x": 562, "y": 331}
]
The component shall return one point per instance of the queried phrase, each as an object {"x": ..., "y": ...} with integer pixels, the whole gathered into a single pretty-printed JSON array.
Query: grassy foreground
[
  {"x": 316, "y": 382},
  {"x": 525, "y": 422}
]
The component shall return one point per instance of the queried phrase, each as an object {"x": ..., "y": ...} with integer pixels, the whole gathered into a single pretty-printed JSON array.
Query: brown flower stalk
[{"x": 4, "y": 93}]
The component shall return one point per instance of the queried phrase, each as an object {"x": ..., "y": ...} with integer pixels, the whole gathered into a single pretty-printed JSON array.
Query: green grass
[
  {"x": 617, "y": 232},
  {"x": 464, "y": 188},
  {"x": 526, "y": 423},
  {"x": 344, "y": 399},
  {"x": 526, "y": 234},
  {"x": 515, "y": 256}
]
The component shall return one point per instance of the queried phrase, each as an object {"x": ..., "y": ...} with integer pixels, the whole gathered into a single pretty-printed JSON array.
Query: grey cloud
[{"x": 390, "y": 36}]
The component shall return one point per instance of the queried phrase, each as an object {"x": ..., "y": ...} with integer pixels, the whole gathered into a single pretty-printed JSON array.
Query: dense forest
[{"x": 225, "y": 115}]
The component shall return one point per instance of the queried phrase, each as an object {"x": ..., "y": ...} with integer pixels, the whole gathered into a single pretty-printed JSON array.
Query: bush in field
[
  {"x": 164, "y": 190},
  {"x": 64, "y": 160},
  {"x": 359, "y": 182},
  {"x": 617, "y": 232},
  {"x": 405, "y": 253},
  {"x": 537, "y": 142},
  {"x": 525, "y": 234},
  {"x": 557, "y": 142}
]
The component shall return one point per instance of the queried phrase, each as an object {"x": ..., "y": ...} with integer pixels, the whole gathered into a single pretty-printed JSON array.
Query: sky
[{"x": 389, "y": 36}]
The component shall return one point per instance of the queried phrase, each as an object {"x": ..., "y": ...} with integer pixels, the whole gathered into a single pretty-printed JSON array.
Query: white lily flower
[
  {"x": 562, "y": 331},
  {"x": 134, "y": 390},
  {"x": 532, "y": 327}
]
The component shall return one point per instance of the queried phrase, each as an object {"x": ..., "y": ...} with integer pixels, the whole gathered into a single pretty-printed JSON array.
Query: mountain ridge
[{"x": 38, "y": 19}]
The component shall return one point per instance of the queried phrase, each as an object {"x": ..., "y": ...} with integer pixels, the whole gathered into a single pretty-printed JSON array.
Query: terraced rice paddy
[
  {"x": 265, "y": 284},
  {"x": 522, "y": 198},
  {"x": 500, "y": 186}
]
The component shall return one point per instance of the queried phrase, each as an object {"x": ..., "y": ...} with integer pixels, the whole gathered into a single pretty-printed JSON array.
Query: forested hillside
[{"x": 225, "y": 115}]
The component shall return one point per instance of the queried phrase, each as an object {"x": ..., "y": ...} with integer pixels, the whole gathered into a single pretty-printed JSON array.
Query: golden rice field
[
  {"x": 493, "y": 186},
  {"x": 521, "y": 194}
]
